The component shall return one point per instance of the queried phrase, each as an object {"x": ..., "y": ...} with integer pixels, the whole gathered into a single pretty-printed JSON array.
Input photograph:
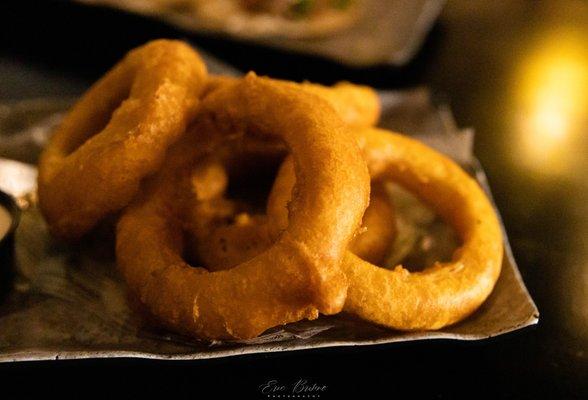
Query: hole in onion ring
[{"x": 423, "y": 238}]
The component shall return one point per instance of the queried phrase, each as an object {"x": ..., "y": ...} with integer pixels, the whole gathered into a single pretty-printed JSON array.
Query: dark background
[{"x": 475, "y": 60}]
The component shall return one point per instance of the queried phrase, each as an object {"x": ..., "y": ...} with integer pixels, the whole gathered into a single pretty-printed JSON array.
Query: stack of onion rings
[
  {"x": 441, "y": 294},
  {"x": 160, "y": 140}
]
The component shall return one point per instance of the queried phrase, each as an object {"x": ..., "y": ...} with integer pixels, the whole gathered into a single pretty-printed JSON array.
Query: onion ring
[
  {"x": 222, "y": 246},
  {"x": 117, "y": 134},
  {"x": 332, "y": 186},
  {"x": 446, "y": 292}
]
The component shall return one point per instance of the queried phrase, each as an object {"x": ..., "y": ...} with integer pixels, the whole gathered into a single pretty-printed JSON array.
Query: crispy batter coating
[
  {"x": 331, "y": 196},
  {"x": 117, "y": 134},
  {"x": 359, "y": 106},
  {"x": 372, "y": 243},
  {"x": 444, "y": 293}
]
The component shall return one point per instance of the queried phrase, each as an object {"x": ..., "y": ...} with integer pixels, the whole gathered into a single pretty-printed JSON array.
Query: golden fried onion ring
[
  {"x": 446, "y": 292},
  {"x": 332, "y": 194},
  {"x": 224, "y": 246},
  {"x": 117, "y": 134}
]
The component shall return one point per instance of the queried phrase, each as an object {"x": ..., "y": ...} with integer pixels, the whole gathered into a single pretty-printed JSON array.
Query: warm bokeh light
[{"x": 553, "y": 101}]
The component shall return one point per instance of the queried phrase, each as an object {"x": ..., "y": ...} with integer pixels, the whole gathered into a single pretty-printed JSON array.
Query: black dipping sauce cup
[{"x": 7, "y": 269}]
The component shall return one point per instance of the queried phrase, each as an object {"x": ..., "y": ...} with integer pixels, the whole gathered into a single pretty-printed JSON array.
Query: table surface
[{"x": 516, "y": 71}]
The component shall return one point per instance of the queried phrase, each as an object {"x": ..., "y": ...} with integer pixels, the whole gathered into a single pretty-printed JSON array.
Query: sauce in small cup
[{"x": 9, "y": 219}]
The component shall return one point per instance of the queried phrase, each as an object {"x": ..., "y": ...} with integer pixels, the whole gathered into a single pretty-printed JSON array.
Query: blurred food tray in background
[{"x": 380, "y": 31}]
